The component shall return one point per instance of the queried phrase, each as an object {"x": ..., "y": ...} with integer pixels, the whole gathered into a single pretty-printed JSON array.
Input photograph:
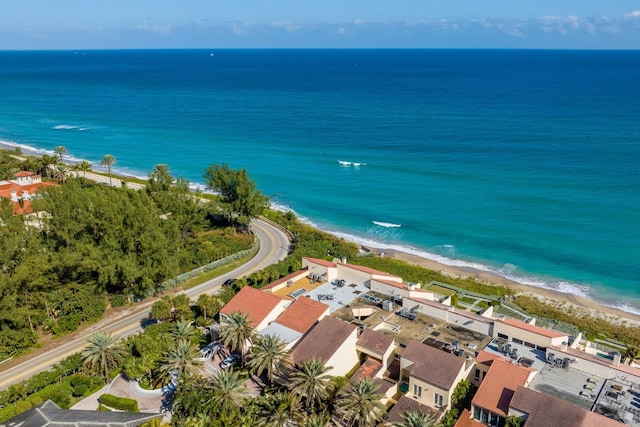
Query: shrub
[
  {"x": 80, "y": 390},
  {"x": 118, "y": 300},
  {"x": 101, "y": 407},
  {"x": 23, "y": 406},
  {"x": 120, "y": 403}
]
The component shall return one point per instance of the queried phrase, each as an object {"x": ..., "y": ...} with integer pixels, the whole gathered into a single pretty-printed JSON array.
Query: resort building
[
  {"x": 528, "y": 334},
  {"x": 296, "y": 320},
  {"x": 22, "y": 189},
  {"x": 261, "y": 307}
]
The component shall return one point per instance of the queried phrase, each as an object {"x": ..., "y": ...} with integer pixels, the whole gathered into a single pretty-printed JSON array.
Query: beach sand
[{"x": 583, "y": 305}]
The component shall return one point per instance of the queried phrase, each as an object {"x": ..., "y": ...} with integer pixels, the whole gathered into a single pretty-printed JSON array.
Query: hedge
[{"x": 119, "y": 403}]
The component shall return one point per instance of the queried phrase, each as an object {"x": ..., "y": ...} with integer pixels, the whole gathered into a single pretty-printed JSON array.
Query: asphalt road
[{"x": 274, "y": 245}]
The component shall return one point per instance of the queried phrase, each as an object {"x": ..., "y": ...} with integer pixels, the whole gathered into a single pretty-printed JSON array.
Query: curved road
[{"x": 274, "y": 245}]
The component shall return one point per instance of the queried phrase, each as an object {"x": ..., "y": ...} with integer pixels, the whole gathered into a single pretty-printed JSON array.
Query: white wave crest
[
  {"x": 387, "y": 224},
  {"x": 354, "y": 164},
  {"x": 69, "y": 127}
]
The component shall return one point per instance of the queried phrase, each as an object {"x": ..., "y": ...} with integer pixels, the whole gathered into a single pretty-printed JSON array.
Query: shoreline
[{"x": 593, "y": 307}]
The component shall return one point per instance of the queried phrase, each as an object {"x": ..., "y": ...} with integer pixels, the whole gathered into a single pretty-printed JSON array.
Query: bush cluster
[{"x": 119, "y": 403}]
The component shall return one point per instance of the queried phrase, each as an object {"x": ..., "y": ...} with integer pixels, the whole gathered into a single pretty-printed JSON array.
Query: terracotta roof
[
  {"x": 486, "y": 358},
  {"x": 284, "y": 279},
  {"x": 321, "y": 262},
  {"x": 465, "y": 420},
  {"x": 546, "y": 411},
  {"x": 368, "y": 369},
  {"x": 533, "y": 328},
  {"x": 376, "y": 342},
  {"x": 257, "y": 304},
  {"x": 302, "y": 314},
  {"x": 323, "y": 340},
  {"x": 431, "y": 365},
  {"x": 19, "y": 210},
  {"x": 23, "y": 173},
  {"x": 498, "y": 386},
  {"x": 403, "y": 405},
  {"x": 368, "y": 270}
]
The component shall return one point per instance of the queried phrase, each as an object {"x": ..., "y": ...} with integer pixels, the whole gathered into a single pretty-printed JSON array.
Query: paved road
[{"x": 274, "y": 245}]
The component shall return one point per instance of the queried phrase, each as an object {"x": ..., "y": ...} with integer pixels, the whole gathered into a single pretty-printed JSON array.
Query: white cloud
[
  {"x": 635, "y": 14},
  {"x": 288, "y": 26}
]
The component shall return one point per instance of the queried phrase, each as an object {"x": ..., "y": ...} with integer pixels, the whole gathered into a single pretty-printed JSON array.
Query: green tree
[
  {"x": 316, "y": 420},
  {"x": 280, "y": 409},
  {"x": 237, "y": 332},
  {"x": 268, "y": 355},
  {"x": 361, "y": 407},
  {"x": 60, "y": 150},
  {"x": 182, "y": 330},
  {"x": 310, "y": 381},
  {"x": 631, "y": 353},
  {"x": 181, "y": 306},
  {"x": 84, "y": 167},
  {"x": 103, "y": 352},
  {"x": 161, "y": 309},
  {"x": 462, "y": 395},
  {"x": 513, "y": 421},
  {"x": 237, "y": 191},
  {"x": 182, "y": 360},
  {"x": 108, "y": 161},
  {"x": 416, "y": 418},
  {"x": 229, "y": 392},
  {"x": 210, "y": 305}
]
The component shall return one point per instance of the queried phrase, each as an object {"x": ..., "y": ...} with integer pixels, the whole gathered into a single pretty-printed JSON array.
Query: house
[
  {"x": 262, "y": 308},
  {"x": 528, "y": 334},
  {"x": 405, "y": 404},
  {"x": 540, "y": 410},
  {"x": 490, "y": 404},
  {"x": 48, "y": 414},
  {"x": 296, "y": 320},
  {"x": 331, "y": 340},
  {"x": 22, "y": 189},
  {"x": 431, "y": 374},
  {"x": 377, "y": 345}
]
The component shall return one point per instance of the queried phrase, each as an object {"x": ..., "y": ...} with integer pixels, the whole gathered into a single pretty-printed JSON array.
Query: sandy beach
[{"x": 588, "y": 306}]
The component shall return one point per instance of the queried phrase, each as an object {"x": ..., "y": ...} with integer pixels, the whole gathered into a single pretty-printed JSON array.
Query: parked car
[
  {"x": 230, "y": 361},
  {"x": 229, "y": 282},
  {"x": 211, "y": 350}
]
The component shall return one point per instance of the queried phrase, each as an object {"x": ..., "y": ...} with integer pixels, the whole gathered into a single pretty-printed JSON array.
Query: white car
[{"x": 230, "y": 361}]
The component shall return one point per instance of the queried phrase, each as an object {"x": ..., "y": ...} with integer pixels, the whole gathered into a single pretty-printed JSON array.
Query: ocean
[{"x": 522, "y": 162}]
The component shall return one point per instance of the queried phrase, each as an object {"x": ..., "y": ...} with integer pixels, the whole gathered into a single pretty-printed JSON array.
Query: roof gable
[
  {"x": 499, "y": 385},
  {"x": 533, "y": 328},
  {"x": 257, "y": 304},
  {"x": 375, "y": 341},
  {"x": 321, "y": 262},
  {"x": 302, "y": 314},
  {"x": 433, "y": 366},
  {"x": 323, "y": 340}
]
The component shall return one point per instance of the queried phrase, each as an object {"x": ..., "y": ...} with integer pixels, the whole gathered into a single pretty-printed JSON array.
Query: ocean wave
[
  {"x": 354, "y": 164},
  {"x": 69, "y": 127},
  {"x": 387, "y": 224}
]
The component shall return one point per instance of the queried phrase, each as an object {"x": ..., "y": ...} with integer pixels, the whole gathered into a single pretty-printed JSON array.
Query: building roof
[
  {"x": 486, "y": 358},
  {"x": 466, "y": 420},
  {"x": 257, "y": 304},
  {"x": 375, "y": 341},
  {"x": 286, "y": 334},
  {"x": 432, "y": 365},
  {"x": 499, "y": 385},
  {"x": 284, "y": 279},
  {"x": 321, "y": 262},
  {"x": 369, "y": 270},
  {"x": 23, "y": 173},
  {"x": 543, "y": 411},
  {"x": 302, "y": 314},
  {"x": 323, "y": 340},
  {"x": 533, "y": 328},
  {"x": 403, "y": 405},
  {"x": 49, "y": 414},
  {"x": 369, "y": 369},
  {"x": 399, "y": 285}
]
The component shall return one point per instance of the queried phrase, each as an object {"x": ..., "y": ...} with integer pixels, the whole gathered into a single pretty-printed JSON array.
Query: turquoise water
[{"x": 520, "y": 162}]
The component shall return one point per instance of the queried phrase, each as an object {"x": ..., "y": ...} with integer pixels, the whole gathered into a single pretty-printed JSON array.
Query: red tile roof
[
  {"x": 368, "y": 369},
  {"x": 465, "y": 420},
  {"x": 302, "y": 314},
  {"x": 498, "y": 386},
  {"x": 403, "y": 405},
  {"x": 323, "y": 340},
  {"x": 433, "y": 366},
  {"x": 533, "y": 328},
  {"x": 375, "y": 341},
  {"x": 486, "y": 358},
  {"x": 399, "y": 285},
  {"x": 284, "y": 279},
  {"x": 321, "y": 262},
  {"x": 257, "y": 304},
  {"x": 544, "y": 411},
  {"x": 23, "y": 173}
]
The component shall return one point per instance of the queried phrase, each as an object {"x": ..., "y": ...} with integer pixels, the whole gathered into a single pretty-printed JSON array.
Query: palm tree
[
  {"x": 278, "y": 410},
  {"x": 60, "y": 150},
  {"x": 631, "y": 353},
  {"x": 229, "y": 391},
  {"x": 237, "y": 333},
  {"x": 268, "y": 355},
  {"x": 103, "y": 351},
  {"x": 108, "y": 161},
  {"x": 182, "y": 330},
  {"x": 415, "y": 418},
  {"x": 316, "y": 420},
  {"x": 362, "y": 407},
  {"x": 310, "y": 381},
  {"x": 183, "y": 360},
  {"x": 84, "y": 166}
]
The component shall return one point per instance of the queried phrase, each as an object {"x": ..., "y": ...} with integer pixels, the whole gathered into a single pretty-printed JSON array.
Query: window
[
  {"x": 417, "y": 390},
  {"x": 503, "y": 336},
  {"x": 437, "y": 400},
  {"x": 518, "y": 341},
  {"x": 476, "y": 376}
]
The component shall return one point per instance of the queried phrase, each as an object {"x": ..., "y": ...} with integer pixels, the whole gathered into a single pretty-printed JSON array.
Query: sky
[{"x": 157, "y": 24}]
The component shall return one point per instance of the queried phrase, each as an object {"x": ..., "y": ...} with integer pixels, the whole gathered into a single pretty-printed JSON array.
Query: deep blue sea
[{"x": 522, "y": 162}]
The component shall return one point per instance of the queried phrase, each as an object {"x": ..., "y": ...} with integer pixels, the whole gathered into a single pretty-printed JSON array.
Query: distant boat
[{"x": 212, "y": 54}]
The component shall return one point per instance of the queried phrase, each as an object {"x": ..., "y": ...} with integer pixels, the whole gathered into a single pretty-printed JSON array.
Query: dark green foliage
[{"x": 120, "y": 403}]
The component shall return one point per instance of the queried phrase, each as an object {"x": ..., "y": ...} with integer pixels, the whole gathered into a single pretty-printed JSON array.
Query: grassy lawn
[{"x": 442, "y": 291}]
